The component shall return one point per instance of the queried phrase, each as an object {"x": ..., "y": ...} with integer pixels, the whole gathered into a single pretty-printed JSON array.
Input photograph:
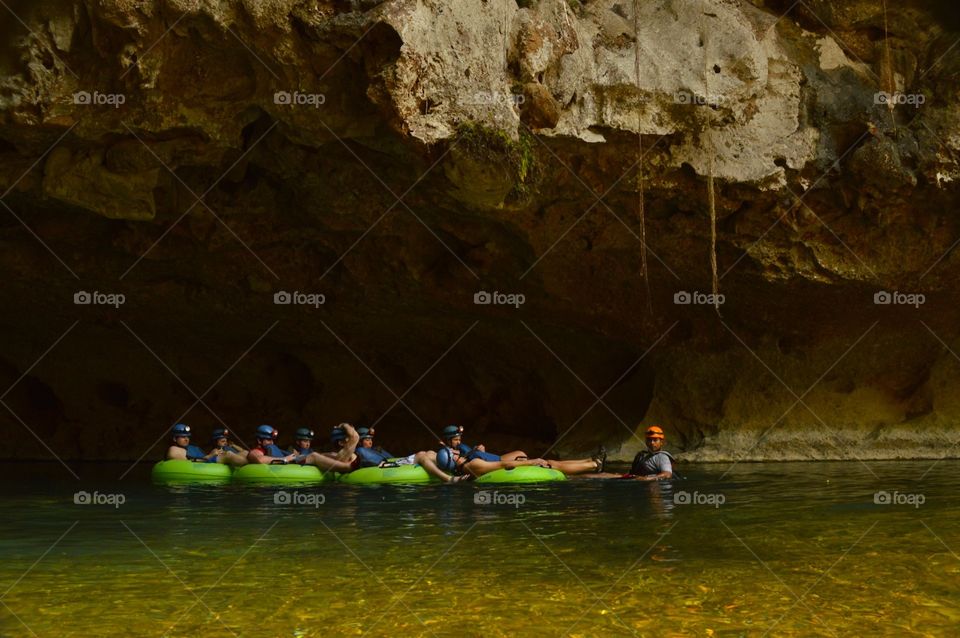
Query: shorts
[{"x": 486, "y": 456}]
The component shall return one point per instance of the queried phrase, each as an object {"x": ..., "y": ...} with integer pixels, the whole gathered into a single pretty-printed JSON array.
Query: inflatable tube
[
  {"x": 173, "y": 471},
  {"x": 400, "y": 475},
  {"x": 262, "y": 474},
  {"x": 523, "y": 474}
]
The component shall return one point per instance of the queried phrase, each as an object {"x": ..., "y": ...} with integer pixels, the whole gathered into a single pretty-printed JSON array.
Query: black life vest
[{"x": 644, "y": 455}]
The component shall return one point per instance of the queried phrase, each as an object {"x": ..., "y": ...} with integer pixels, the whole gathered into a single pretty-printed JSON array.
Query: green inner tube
[
  {"x": 523, "y": 474},
  {"x": 262, "y": 474},
  {"x": 400, "y": 475},
  {"x": 172, "y": 471},
  {"x": 414, "y": 474}
]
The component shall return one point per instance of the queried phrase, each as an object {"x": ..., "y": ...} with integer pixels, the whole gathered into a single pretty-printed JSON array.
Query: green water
[{"x": 795, "y": 550}]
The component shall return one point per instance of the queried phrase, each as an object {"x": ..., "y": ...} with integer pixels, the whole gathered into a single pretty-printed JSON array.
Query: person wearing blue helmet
[
  {"x": 342, "y": 457},
  {"x": 369, "y": 455},
  {"x": 453, "y": 437},
  {"x": 437, "y": 463},
  {"x": 267, "y": 450},
  {"x": 226, "y": 452},
  {"x": 302, "y": 443},
  {"x": 303, "y": 448},
  {"x": 455, "y": 460},
  {"x": 183, "y": 450},
  {"x": 450, "y": 464}
]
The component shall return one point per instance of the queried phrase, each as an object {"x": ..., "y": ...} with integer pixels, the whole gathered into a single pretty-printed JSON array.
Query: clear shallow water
[{"x": 795, "y": 550}]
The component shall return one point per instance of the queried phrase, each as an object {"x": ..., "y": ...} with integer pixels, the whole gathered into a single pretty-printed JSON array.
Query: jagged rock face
[{"x": 399, "y": 157}]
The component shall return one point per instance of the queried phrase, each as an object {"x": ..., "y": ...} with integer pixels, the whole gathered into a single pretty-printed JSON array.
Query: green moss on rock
[{"x": 495, "y": 145}]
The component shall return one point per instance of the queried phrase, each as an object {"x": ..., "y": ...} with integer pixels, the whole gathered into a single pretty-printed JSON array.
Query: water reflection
[{"x": 537, "y": 566}]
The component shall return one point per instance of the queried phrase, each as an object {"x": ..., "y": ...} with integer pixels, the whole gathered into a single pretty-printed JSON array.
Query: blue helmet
[
  {"x": 181, "y": 429},
  {"x": 220, "y": 433},
  {"x": 446, "y": 460},
  {"x": 452, "y": 430},
  {"x": 266, "y": 432},
  {"x": 338, "y": 434},
  {"x": 364, "y": 433},
  {"x": 303, "y": 433}
]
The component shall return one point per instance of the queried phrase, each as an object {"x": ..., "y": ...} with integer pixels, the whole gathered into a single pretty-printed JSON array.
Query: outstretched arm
[
  {"x": 349, "y": 449},
  {"x": 664, "y": 467},
  {"x": 256, "y": 456},
  {"x": 656, "y": 477}
]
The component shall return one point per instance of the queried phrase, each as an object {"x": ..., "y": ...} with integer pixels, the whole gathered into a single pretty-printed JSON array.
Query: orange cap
[{"x": 654, "y": 432}]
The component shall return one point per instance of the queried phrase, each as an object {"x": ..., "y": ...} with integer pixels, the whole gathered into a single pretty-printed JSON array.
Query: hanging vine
[
  {"x": 640, "y": 203},
  {"x": 711, "y": 194},
  {"x": 887, "y": 79}
]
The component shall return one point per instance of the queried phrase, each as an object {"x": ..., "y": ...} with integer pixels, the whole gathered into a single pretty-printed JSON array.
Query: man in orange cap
[{"x": 654, "y": 463}]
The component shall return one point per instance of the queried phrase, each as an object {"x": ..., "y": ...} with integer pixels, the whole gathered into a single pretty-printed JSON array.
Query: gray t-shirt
[{"x": 648, "y": 463}]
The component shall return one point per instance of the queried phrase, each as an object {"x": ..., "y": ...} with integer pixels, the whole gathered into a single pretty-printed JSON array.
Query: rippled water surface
[{"x": 792, "y": 550}]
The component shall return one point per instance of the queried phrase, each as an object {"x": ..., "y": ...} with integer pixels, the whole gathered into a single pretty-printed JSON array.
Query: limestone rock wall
[{"x": 399, "y": 157}]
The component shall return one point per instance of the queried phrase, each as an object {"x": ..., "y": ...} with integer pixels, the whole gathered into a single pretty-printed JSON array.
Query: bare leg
[
  {"x": 579, "y": 466},
  {"x": 513, "y": 456},
  {"x": 232, "y": 458},
  {"x": 479, "y": 467},
  {"x": 601, "y": 475},
  {"x": 327, "y": 463},
  {"x": 428, "y": 460}
]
